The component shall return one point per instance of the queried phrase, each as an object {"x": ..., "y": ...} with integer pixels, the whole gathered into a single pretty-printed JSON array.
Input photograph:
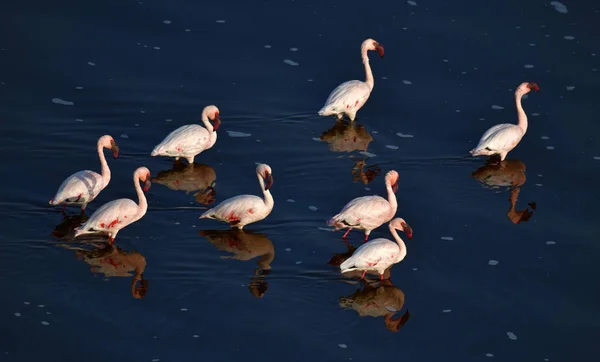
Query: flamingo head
[
  {"x": 107, "y": 141},
  {"x": 392, "y": 178},
  {"x": 400, "y": 224},
  {"x": 265, "y": 172},
  {"x": 527, "y": 87},
  {"x": 212, "y": 113},
  {"x": 143, "y": 175},
  {"x": 371, "y": 44}
]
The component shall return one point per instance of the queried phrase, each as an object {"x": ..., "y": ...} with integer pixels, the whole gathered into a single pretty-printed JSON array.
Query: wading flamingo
[
  {"x": 502, "y": 138},
  {"x": 380, "y": 253},
  {"x": 188, "y": 141},
  {"x": 83, "y": 187},
  {"x": 368, "y": 212},
  {"x": 350, "y": 96},
  {"x": 117, "y": 214},
  {"x": 242, "y": 210}
]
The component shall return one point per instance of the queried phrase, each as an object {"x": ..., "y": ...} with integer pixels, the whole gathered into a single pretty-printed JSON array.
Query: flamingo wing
[
  {"x": 501, "y": 137},
  {"x": 236, "y": 208},
  {"x": 189, "y": 139},
  {"x": 348, "y": 96},
  {"x": 372, "y": 254},
  {"x": 115, "y": 214},
  {"x": 80, "y": 187},
  {"x": 365, "y": 209}
]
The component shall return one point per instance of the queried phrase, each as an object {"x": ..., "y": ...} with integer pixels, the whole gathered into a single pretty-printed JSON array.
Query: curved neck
[
  {"x": 268, "y": 197},
  {"x": 105, "y": 170},
  {"x": 520, "y": 112},
  {"x": 206, "y": 122},
  {"x": 369, "y": 74},
  {"x": 391, "y": 198},
  {"x": 142, "y": 204},
  {"x": 400, "y": 242}
]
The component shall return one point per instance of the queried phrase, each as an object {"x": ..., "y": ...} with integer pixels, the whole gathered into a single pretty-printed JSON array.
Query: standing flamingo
[
  {"x": 350, "y": 96},
  {"x": 188, "y": 141},
  {"x": 380, "y": 253},
  {"x": 117, "y": 214},
  {"x": 502, "y": 138},
  {"x": 82, "y": 187},
  {"x": 242, "y": 210},
  {"x": 368, "y": 212}
]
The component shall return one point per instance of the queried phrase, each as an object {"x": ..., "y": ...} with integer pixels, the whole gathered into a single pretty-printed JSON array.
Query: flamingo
[
  {"x": 242, "y": 210},
  {"x": 380, "y": 253},
  {"x": 190, "y": 140},
  {"x": 350, "y": 96},
  {"x": 368, "y": 212},
  {"x": 117, "y": 214},
  {"x": 83, "y": 187},
  {"x": 502, "y": 138}
]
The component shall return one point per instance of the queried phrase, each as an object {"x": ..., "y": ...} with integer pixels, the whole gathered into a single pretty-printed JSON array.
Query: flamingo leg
[
  {"x": 363, "y": 275},
  {"x": 346, "y": 234},
  {"x": 64, "y": 208},
  {"x": 366, "y": 237},
  {"x": 381, "y": 277}
]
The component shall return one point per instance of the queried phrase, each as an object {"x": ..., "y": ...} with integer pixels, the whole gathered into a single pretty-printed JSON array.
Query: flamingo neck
[
  {"x": 268, "y": 197},
  {"x": 520, "y": 112},
  {"x": 391, "y": 198},
  {"x": 105, "y": 170},
  {"x": 142, "y": 204},
  {"x": 400, "y": 242},
  {"x": 207, "y": 124},
  {"x": 369, "y": 74}
]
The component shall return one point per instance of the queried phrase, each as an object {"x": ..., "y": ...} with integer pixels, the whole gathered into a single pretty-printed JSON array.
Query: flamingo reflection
[
  {"x": 246, "y": 245},
  {"x": 66, "y": 228},
  {"x": 511, "y": 174},
  {"x": 190, "y": 178}
]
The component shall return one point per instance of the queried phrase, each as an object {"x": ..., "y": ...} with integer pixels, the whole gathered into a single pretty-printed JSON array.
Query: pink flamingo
[
  {"x": 368, "y": 212},
  {"x": 190, "y": 140},
  {"x": 379, "y": 254},
  {"x": 502, "y": 138},
  {"x": 350, "y": 96},
  {"x": 242, "y": 210},
  {"x": 83, "y": 187},
  {"x": 117, "y": 214}
]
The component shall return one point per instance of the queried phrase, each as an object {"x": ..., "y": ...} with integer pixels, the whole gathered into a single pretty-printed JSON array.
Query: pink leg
[
  {"x": 366, "y": 237},
  {"x": 346, "y": 234},
  {"x": 381, "y": 277},
  {"x": 363, "y": 275}
]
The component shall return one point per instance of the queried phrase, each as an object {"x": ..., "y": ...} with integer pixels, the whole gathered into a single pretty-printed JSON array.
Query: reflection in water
[
  {"x": 347, "y": 137},
  {"x": 363, "y": 173},
  {"x": 66, "y": 228},
  {"x": 112, "y": 261},
  {"x": 246, "y": 245},
  {"x": 190, "y": 178},
  {"x": 511, "y": 174},
  {"x": 381, "y": 301}
]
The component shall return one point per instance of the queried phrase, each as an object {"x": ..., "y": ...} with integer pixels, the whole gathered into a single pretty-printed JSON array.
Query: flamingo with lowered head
[
  {"x": 242, "y": 210},
  {"x": 350, "y": 96},
  {"x": 381, "y": 253},
  {"x": 190, "y": 140},
  {"x": 368, "y": 212},
  {"x": 83, "y": 187},
  {"x": 117, "y": 214},
  {"x": 502, "y": 138}
]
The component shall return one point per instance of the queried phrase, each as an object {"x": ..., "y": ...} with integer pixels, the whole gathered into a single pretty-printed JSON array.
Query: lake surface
[{"x": 485, "y": 278}]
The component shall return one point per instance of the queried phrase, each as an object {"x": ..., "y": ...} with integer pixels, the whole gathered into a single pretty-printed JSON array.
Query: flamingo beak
[
  {"x": 269, "y": 180},
  {"x": 407, "y": 230},
  {"x": 114, "y": 148},
  {"x": 217, "y": 122},
  {"x": 534, "y": 86},
  {"x": 147, "y": 183},
  {"x": 379, "y": 49},
  {"x": 395, "y": 187}
]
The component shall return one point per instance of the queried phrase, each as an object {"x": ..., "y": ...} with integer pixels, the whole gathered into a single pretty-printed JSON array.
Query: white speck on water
[
  {"x": 539, "y": 185},
  {"x": 124, "y": 135},
  {"x": 137, "y": 125},
  {"x": 62, "y": 102},
  {"x": 48, "y": 313},
  {"x": 238, "y": 134},
  {"x": 41, "y": 306},
  {"x": 390, "y": 308},
  {"x": 415, "y": 269},
  {"x": 156, "y": 48},
  {"x": 79, "y": 120},
  {"x": 367, "y": 188},
  {"x": 167, "y": 22},
  {"x": 196, "y": 336},
  {"x": 560, "y": 7},
  {"x": 529, "y": 66},
  {"x": 298, "y": 262},
  {"x": 290, "y": 62},
  {"x": 374, "y": 132},
  {"x": 549, "y": 147},
  {"x": 445, "y": 60},
  {"x": 310, "y": 80},
  {"x": 293, "y": 49},
  {"x": 383, "y": 77},
  {"x": 45, "y": 323},
  {"x": 78, "y": 87},
  {"x": 313, "y": 208},
  {"x": 406, "y": 82},
  {"x": 546, "y": 359},
  {"x": 540, "y": 175},
  {"x": 288, "y": 249},
  {"x": 17, "y": 314},
  {"x": 550, "y": 242},
  {"x": 290, "y": 200},
  {"x": 570, "y": 88},
  {"x": 596, "y": 158},
  {"x": 156, "y": 360},
  {"x": 368, "y": 154},
  {"x": 168, "y": 120},
  {"x": 535, "y": 114},
  {"x": 458, "y": 111},
  {"x": 26, "y": 303},
  {"x": 569, "y": 37},
  {"x": 413, "y": 3},
  {"x": 489, "y": 355},
  {"x": 268, "y": 46},
  {"x": 447, "y": 238},
  {"x": 142, "y": 112},
  {"x": 188, "y": 30},
  {"x": 493, "y": 262},
  {"x": 531, "y": 44},
  {"x": 177, "y": 223},
  {"x": 220, "y": 21},
  {"x": 341, "y": 345},
  {"x": 325, "y": 229},
  {"x": 447, "y": 310},
  {"x": 511, "y": 336},
  {"x": 545, "y": 137},
  {"x": 183, "y": 309},
  {"x": 392, "y": 147},
  {"x": 496, "y": 107},
  {"x": 404, "y": 135}
]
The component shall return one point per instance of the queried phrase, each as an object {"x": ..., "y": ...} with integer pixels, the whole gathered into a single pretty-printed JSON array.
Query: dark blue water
[{"x": 481, "y": 268}]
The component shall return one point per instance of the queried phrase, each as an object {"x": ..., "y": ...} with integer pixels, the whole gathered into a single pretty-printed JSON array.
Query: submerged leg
[
  {"x": 64, "y": 208},
  {"x": 363, "y": 275},
  {"x": 381, "y": 277},
  {"x": 367, "y": 236},
  {"x": 83, "y": 207},
  {"x": 346, "y": 234}
]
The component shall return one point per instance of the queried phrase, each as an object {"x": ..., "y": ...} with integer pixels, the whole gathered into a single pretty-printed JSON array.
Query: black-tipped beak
[
  {"x": 217, "y": 122},
  {"x": 147, "y": 184},
  {"x": 379, "y": 49},
  {"x": 114, "y": 148},
  {"x": 268, "y": 180},
  {"x": 395, "y": 187},
  {"x": 407, "y": 230}
]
